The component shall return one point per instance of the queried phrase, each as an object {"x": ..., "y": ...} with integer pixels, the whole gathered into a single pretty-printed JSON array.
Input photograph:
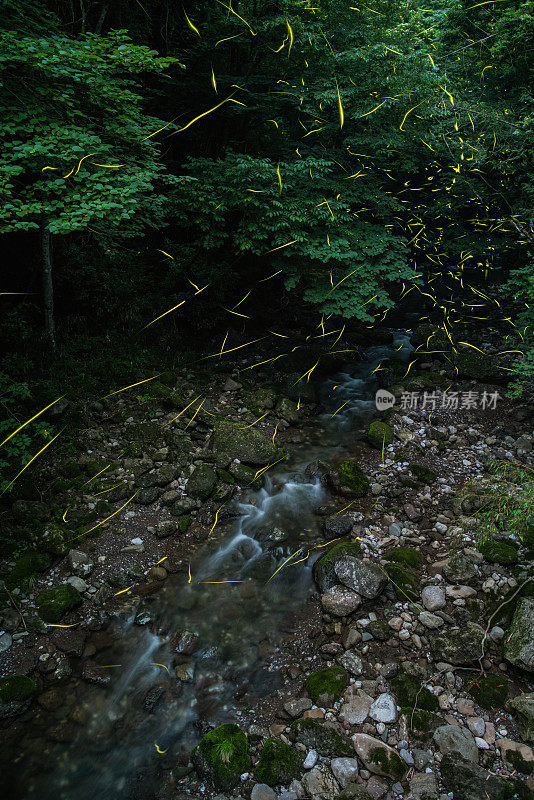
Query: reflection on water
[{"x": 194, "y": 653}]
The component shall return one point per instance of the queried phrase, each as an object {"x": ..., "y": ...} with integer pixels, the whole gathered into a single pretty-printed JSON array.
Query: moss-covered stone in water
[
  {"x": 352, "y": 478},
  {"x": 16, "y": 688},
  {"x": 379, "y": 434},
  {"x": 421, "y": 722},
  {"x": 498, "y": 552},
  {"x": 222, "y": 756},
  {"x": 410, "y": 692},
  {"x": 404, "y": 555},
  {"x": 424, "y": 474},
  {"x": 279, "y": 763},
  {"x": 331, "y": 681},
  {"x": 244, "y": 476},
  {"x": 249, "y": 445},
  {"x": 53, "y": 603},
  {"x": 390, "y": 762},
  {"x": 29, "y": 565},
  {"x": 405, "y": 581},
  {"x": 325, "y": 737},
  {"x": 488, "y": 691}
]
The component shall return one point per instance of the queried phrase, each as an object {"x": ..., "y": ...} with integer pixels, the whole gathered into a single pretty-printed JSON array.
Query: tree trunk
[
  {"x": 48, "y": 288},
  {"x": 104, "y": 11}
]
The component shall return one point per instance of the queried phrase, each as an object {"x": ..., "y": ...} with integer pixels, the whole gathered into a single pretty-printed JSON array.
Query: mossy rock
[
  {"x": 379, "y": 434},
  {"x": 226, "y": 476},
  {"x": 183, "y": 523},
  {"x": 488, "y": 691},
  {"x": 404, "y": 555},
  {"x": 30, "y": 564},
  {"x": 519, "y": 763},
  {"x": 16, "y": 688},
  {"x": 405, "y": 581},
  {"x": 54, "y": 539},
  {"x": 144, "y": 433},
  {"x": 519, "y": 645},
  {"x": 469, "y": 781},
  {"x": 424, "y": 474},
  {"x": 331, "y": 681},
  {"x": 70, "y": 469},
  {"x": 279, "y": 763},
  {"x": 202, "y": 482},
  {"x": 422, "y": 723},
  {"x": 350, "y": 479},
  {"x": 325, "y": 737},
  {"x": 323, "y": 570},
  {"x": 390, "y": 763},
  {"x": 379, "y": 630},
  {"x": 53, "y": 603},
  {"x": 168, "y": 398},
  {"x": 431, "y": 337},
  {"x": 245, "y": 476},
  {"x": 498, "y": 552},
  {"x": 479, "y": 367},
  {"x": 248, "y": 445},
  {"x": 462, "y": 646},
  {"x": 221, "y": 756},
  {"x": 410, "y": 692}
]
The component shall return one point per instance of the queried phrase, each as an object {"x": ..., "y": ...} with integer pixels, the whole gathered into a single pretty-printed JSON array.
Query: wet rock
[
  {"x": 311, "y": 760},
  {"x": 324, "y": 573},
  {"x": 221, "y": 756},
  {"x": 320, "y": 784},
  {"x": 433, "y": 598},
  {"x": 153, "y": 698},
  {"x": 92, "y": 673},
  {"x": 462, "y": 646},
  {"x": 431, "y": 621},
  {"x": 80, "y": 563},
  {"x": 279, "y": 763},
  {"x": 379, "y": 435},
  {"x": 352, "y": 662},
  {"x": 249, "y": 445},
  {"x": 519, "y": 645},
  {"x": 453, "y": 739},
  {"x": 202, "y": 482},
  {"x": 522, "y": 707},
  {"x": 378, "y": 757},
  {"x": 326, "y": 683},
  {"x": 260, "y": 791},
  {"x": 519, "y": 755},
  {"x": 460, "y": 569},
  {"x": 328, "y": 738},
  {"x": 363, "y": 577},
  {"x": 356, "y": 705},
  {"x": 424, "y": 787},
  {"x": 296, "y": 708},
  {"x": 384, "y": 709},
  {"x": 348, "y": 479},
  {"x": 51, "y": 699},
  {"x": 468, "y": 781},
  {"x": 345, "y": 770},
  {"x": 166, "y": 528},
  {"x": 6, "y": 640},
  {"x": 53, "y": 603},
  {"x": 337, "y": 525},
  {"x": 340, "y": 601}
]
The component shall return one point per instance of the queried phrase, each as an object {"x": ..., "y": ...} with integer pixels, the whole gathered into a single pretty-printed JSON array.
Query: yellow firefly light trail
[
  {"x": 30, "y": 420},
  {"x": 32, "y": 460},
  {"x": 110, "y": 516},
  {"x": 130, "y": 386}
]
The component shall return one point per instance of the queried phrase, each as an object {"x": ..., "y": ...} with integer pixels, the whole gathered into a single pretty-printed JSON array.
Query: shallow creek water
[{"x": 214, "y": 634}]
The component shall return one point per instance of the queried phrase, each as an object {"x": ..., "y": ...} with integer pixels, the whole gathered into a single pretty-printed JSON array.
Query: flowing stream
[{"x": 214, "y": 634}]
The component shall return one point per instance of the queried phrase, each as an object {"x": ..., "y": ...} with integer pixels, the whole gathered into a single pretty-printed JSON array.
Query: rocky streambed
[{"x": 200, "y": 614}]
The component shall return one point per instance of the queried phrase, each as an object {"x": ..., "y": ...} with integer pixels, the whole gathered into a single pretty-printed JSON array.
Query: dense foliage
[{"x": 186, "y": 152}]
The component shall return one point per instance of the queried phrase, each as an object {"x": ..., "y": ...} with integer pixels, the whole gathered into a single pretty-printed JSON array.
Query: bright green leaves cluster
[{"x": 75, "y": 151}]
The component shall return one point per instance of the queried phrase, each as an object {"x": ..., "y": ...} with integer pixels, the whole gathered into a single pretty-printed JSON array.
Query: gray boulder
[
  {"x": 363, "y": 577},
  {"x": 519, "y": 646}
]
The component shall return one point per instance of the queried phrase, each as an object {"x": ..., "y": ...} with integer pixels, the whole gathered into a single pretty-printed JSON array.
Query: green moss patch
[
  {"x": 405, "y": 581},
  {"x": 404, "y": 555},
  {"x": 421, "y": 722},
  {"x": 424, "y": 474},
  {"x": 488, "y": 691},
  {"x": 30, "y": 564},
  {"x": 410, "y": 692},
  {"x": 352, "y": 479},
  {"x": 331, "y": 681},
  {"x": 279, "y": 763},
  {"x": 16, "y": 688},
  {"x": 53, "y": 603},
  {"x": 390, "y": 763},
  {"x": 498, "y": 552},
  {"x": 221, "y": 756},
  {"x": 379, "y": 434},
  {"x": 325, "y": 737}
]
